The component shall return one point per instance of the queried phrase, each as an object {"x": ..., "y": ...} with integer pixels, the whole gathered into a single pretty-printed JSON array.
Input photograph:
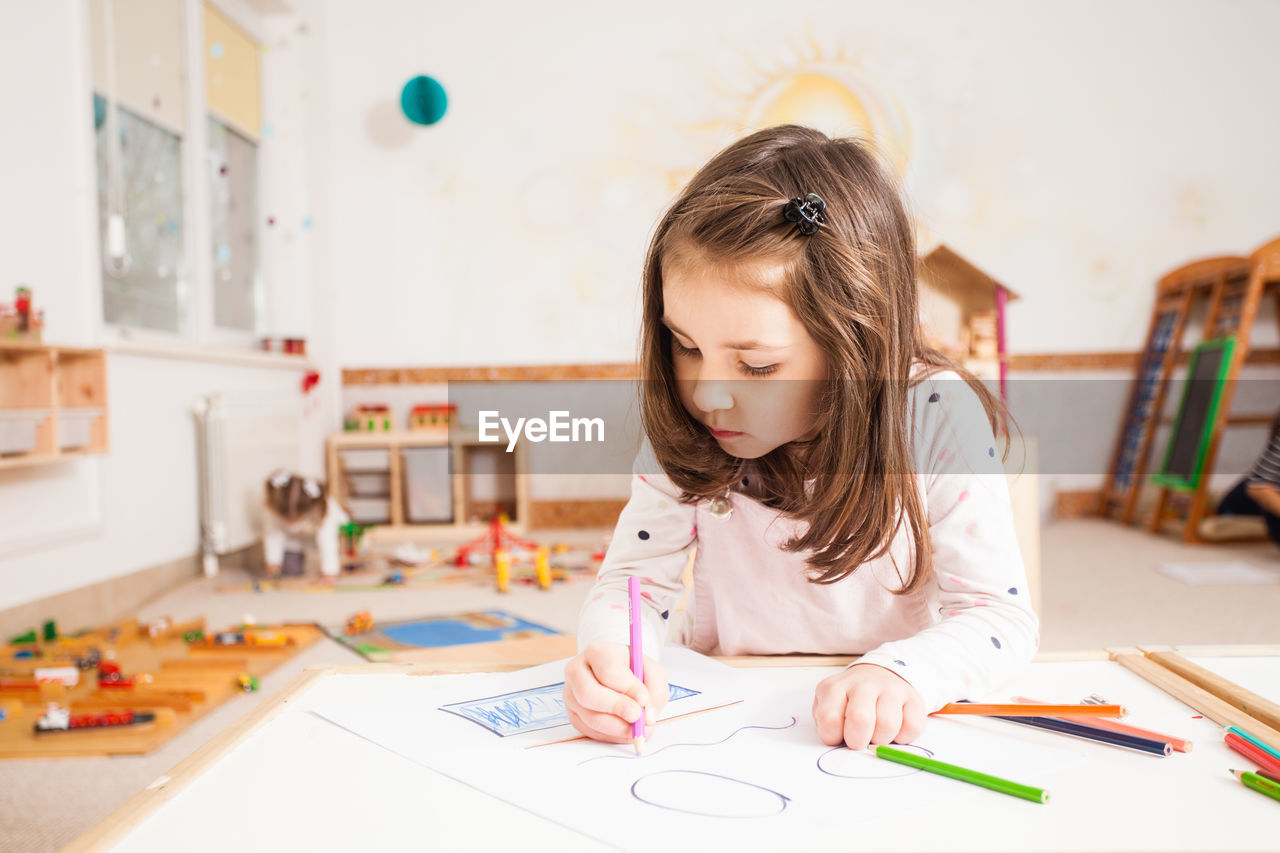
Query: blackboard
[{"x": 1197, "y": 413}]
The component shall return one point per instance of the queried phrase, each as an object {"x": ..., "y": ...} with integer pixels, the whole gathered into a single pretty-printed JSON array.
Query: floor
[{"x": 1100, "y": 588}]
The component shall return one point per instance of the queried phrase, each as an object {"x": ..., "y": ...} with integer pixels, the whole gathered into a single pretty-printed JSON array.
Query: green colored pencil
[
  {"x": 973, "y": 777},
  {"x": 1258, "y": 783}
]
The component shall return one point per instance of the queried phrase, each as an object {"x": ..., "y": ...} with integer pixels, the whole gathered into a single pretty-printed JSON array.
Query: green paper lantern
[{"x": 423, "y": 100}]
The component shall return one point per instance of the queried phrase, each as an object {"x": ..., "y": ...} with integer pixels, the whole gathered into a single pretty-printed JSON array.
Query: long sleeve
[
  {"x": 327, "y": 539},
  {"x": 273, "y": 538},
  {"x": 988, "y": 631},
  {"x": 652, "y": 539}
]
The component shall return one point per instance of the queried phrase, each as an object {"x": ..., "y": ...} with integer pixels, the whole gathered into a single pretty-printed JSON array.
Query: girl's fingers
[
  {"x": 585, "y": 728},
  {"x": 600, "y": 726},
  {"x": 913, "y": 720},
  {"x": 655, "y": 681},
  {"x": 590, "y": 695},
  {"x": 859, "y": 718},
  {"x": 888, "y": 719},
  {"x": 613, "y": 670},
  {"x": 828, "y": 715}
]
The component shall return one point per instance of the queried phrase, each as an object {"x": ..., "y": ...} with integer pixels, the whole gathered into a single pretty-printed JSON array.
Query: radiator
[{"x": 240, "y": 439}]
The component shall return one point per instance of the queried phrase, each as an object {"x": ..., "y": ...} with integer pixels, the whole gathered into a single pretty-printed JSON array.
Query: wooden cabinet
[
  {"x": 53, "y": 403},
  {"x": 426, "y": 481}
]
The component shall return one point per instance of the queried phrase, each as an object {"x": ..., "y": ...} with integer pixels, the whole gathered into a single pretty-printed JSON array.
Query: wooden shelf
[
  {"x": 62, "y": 394},
  {"x": 462, "y": 448}
]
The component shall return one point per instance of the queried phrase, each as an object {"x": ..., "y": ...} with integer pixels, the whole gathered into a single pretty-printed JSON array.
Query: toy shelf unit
[
  {"x": 53, "y": 403},
  {"x": 426, "y": 482}
]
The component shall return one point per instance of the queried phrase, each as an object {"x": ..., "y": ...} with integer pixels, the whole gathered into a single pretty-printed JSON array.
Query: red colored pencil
[{"x": 1251, "y": 752}]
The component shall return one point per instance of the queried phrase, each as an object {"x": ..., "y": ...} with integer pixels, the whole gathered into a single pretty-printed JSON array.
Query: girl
[
  {"x": 298, "y": 513},
  {"x": 841, "y": 484}
]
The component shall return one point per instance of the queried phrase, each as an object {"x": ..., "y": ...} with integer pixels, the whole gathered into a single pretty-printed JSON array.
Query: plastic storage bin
[
  {"x": 18, "y": 429},
  {"x": 366, "y": 459},
  {"x": 369, "y": 484},
  {"x": 428, "y": 487},
  {"x": 370, "y": 510},
  {"x": 75, "y": 427}
]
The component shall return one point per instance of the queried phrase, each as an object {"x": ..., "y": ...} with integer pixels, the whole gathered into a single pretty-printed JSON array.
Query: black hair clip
[{"x": 806, "y": 213}]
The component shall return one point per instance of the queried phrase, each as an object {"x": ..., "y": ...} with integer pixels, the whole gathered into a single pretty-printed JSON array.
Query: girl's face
[{"x": 746, "y": 368}]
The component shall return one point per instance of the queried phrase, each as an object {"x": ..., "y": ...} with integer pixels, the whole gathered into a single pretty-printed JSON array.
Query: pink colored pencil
[
  {"x": 637, "y": 654},
  {"x": 1177, "y": 743}
]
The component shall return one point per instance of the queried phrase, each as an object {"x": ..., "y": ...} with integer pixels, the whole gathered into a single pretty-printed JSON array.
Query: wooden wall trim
[
  {"x": 490, "y": 373},
  {"x": 1024, "y": 362}
]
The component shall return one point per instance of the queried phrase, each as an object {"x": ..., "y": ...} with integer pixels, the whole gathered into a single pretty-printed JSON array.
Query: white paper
[
  {"x": 753, "y": 774},
  {"x": 1224, "y": 573}
]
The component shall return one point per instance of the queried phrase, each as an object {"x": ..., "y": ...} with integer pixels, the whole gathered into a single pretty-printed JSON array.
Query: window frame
[{"x": 200, "y": 330}]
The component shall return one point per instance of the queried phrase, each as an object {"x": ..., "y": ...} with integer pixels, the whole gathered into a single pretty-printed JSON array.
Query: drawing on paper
[
  {"x": 674, "y": 745},
  {"x": 845, "y": 763},
  {"x": 529, "y": 710},
  {"x": 705, "y": 794}
]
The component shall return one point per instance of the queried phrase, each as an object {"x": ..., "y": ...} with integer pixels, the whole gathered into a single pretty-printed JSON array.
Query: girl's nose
[{"x": 711, "y": 395}]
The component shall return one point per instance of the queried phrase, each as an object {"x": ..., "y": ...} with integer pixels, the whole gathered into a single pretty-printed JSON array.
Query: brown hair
[
  {"x": 287, "y": 497},
  {"x": 853, "y": 287}
]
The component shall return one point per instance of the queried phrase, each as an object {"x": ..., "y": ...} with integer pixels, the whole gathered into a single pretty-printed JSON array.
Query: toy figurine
[
  {"x": 248, "y": 683},
  {"x": 359, "y": 623}
]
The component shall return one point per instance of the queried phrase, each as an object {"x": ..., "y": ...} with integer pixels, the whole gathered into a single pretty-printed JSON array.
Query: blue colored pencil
[{"x": 1053, "y": 724}]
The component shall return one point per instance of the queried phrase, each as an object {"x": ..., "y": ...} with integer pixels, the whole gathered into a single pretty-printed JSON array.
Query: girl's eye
[
  {"x": 681, "y": 349},
  {"x": 759, "y": 371}
]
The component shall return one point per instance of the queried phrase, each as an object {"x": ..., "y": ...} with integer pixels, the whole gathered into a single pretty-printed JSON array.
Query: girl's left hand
[{"x": 867, "y": 704}]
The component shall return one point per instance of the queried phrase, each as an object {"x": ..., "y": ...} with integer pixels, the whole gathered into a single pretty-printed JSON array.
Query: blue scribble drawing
[{"x": 529, "y": 710}]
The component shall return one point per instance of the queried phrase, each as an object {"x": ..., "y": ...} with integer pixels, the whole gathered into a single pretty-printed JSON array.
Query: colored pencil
[
  {"x": 1251, "y": 752},
  {"x": 1258, "y": 783},
  {"x": 637, "y": 654},
  {"x": 1260, "y": 744},
  {"x": 1260, "y": 708},
  {"x": 1219, "y": 710},
  {"x": 1267, "y": 774},
  {"x": 1178, "y": 744},
  {"x": 963, "y": 774},
  {"x": 989, "y": 710},
  {"x": 1142, "y": 744}
]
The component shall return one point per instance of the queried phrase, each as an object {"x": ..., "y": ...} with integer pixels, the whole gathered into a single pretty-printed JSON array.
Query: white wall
[
  {"x": 1075, "y": 151},
  {"x": 73, "y": 524}
]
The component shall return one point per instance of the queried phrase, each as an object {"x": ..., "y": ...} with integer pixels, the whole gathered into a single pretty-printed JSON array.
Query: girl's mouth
[{"x": 724, "y": 433}]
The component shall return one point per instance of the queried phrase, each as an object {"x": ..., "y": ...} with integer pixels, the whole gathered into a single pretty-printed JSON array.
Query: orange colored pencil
[
  {"x": 979, "y": 710},
  {"x": 1177, "y": 743}
]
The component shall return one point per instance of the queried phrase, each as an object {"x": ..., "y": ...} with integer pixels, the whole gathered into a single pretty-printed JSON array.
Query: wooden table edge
[{"x": 116, "y": 825}]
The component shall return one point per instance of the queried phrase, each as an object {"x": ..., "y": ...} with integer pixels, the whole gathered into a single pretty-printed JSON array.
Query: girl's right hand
[{"x": 603, "y": 697}]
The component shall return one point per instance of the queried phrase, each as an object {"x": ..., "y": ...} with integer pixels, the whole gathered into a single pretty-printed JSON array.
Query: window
[
  {"x": 144, "y": 274},
  {"x": 175, "y": 261},
  {"x": 233, "y": 193}
]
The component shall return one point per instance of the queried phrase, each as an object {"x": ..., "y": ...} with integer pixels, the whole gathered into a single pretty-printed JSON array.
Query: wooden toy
[
  {"x": 1228, "y": 292},
  {"x": 369, "y": 417},
  {"x": 432, "y": 416},
  {"x": 544, "y": 569},
  {"x": 359, "y": 623},
  {"x": 502, "y": 567},
  {"x": 134, "y": 675}
]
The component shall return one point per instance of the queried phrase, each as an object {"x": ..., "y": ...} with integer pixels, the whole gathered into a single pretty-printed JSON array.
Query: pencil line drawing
[
  {"x": 719, "y": 796},
  {"x": 867, "y": 765},
  {"x": 529, "y": 710},
  {"x": 674, "y": 745}
]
